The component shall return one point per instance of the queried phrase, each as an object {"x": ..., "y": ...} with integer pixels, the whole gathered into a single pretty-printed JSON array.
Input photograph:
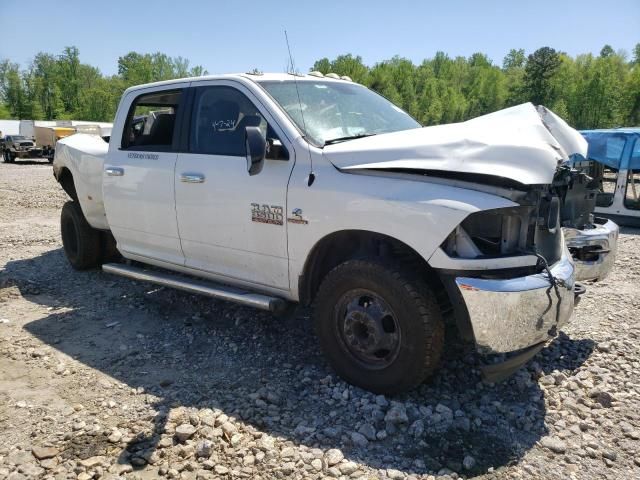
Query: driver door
[{"x": 231, "y": 225}]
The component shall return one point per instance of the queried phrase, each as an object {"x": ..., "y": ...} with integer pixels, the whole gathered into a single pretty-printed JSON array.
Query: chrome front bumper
[
  {"x": 598, "y": 244},
  {"x": 512, "y": 314}
]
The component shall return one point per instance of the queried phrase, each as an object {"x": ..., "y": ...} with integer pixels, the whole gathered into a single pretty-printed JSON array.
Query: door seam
[{"x": 175, "y": 210}]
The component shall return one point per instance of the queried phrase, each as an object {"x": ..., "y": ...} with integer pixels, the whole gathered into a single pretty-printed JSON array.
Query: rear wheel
[
  {"x": 109, "y": 248},
  {"x": 81, "y": 242},
  {"x": 379, "y": 326}
]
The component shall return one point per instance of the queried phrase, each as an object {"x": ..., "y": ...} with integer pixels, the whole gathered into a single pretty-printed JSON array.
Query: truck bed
[{"x": 83, "y": 155}]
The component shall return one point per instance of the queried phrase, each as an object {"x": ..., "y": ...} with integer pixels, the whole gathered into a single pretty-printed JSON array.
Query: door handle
[
  {"x": 192, "y": 178},
  {"x": 114, "y": 171}
]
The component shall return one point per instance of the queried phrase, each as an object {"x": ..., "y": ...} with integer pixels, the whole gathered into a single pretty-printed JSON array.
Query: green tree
[
  {"x": 514, "y": 59},
  {"x": 197, "y": 71},
  {"x": 14, "y": 92},
  {"x": 323, "y": 66},
  {"x": 343, "y": 65},
  {"x": 69, "y": 66},
  {"x": 587, "y": 90},
  {"x": 45, "y": 71},
  {"x": 4, "y": 112},
  {"x": 540, "y": 68},
  {"x": 607, "y": 51},
  {"x": 632, "y": 100},
  {"x": 636, "y": 54},
  {"x": 137, "y": 68},
  {"x": 513, "y": 69}
]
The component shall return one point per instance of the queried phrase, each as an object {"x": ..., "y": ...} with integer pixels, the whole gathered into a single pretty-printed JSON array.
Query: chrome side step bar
[{"x": 256, "y": 300}]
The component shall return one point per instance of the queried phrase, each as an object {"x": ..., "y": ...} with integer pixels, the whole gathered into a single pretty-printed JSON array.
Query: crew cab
[
  {"x": 18, "y": 146},
  {"x": 274, "y": 190}
]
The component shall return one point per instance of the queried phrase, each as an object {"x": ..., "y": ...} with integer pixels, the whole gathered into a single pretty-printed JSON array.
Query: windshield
[
  {"x": 337, "y": 110},
  {"x": 17, "y": 137}
]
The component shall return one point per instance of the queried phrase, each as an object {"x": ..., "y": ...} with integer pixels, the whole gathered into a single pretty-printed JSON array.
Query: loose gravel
[{"x": 102, "y": 377}]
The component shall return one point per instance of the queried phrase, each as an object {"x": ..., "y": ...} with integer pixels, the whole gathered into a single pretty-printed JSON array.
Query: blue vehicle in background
[{"x": 613, "y": 160}]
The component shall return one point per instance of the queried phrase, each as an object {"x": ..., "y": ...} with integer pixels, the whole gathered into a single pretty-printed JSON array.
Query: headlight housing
[
  {"x": 526, "y": 229},
  {"x": 493, "y": 233}
]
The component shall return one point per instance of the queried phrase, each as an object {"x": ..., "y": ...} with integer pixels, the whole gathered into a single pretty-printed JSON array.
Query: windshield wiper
[{"x": 348, "y": 137}]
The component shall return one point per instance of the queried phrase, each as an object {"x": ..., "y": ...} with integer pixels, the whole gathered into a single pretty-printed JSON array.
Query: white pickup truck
[{"x": 274, "y": 190}]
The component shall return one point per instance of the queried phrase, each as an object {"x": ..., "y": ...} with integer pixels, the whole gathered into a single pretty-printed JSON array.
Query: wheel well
[
  {"x": 65, "y": 179},
  {"x": 344, "y": 245}
]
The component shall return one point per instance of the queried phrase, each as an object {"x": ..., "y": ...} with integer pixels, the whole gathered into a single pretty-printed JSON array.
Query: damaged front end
[
  {"x": 592, "y": 241},
  {"x": 509, "y": 273}
]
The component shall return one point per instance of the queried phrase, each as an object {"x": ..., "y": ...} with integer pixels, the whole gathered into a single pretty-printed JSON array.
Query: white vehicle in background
[{"x": 274, "y": 190}]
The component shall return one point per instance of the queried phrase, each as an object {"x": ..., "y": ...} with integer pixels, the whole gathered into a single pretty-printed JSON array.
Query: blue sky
[{"x": 238, "y": 36}]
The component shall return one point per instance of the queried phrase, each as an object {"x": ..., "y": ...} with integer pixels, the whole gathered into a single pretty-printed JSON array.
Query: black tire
[
  {"x": 8, "y": 157},
  {"x": 411, "y": 325},
  {"x": 81, "y": 242}
]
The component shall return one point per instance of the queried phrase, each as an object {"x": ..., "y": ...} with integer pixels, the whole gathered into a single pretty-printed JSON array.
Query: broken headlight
[{"x": 493, "y": 233}]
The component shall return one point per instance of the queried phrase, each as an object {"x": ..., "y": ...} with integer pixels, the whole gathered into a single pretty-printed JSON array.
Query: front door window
[{"x": 220, "y": 118}]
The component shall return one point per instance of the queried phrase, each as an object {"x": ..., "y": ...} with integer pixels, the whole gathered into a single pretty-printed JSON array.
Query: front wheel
[
  {"x": 379, "y": 326},
  {"x": 8, "y": 158},
  {"x": 80, "y": 241}
]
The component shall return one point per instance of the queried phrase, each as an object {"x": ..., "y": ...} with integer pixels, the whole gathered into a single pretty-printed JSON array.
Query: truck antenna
[{"x": 312, "y": 176}]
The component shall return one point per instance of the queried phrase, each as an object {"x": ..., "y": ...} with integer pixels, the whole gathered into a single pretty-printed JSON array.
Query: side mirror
[{"x": 256, "y": 150}]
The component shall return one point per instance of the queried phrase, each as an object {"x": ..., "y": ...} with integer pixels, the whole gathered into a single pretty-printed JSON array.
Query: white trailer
[
  {"x": 9, "y": 127},
  {"x": 27, "y": 127}
]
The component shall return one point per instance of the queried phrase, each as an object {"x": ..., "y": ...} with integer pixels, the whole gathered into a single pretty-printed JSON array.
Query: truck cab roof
[{"x": 254, "y": 77}]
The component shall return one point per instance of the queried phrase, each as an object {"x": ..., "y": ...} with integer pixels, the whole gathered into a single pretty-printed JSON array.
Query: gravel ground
[{"x": 101, "y": 376}]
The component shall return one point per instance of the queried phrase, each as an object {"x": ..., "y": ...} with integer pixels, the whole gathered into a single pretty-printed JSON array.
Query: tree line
[
  {"x": 589, "y": 91},
  {"x": 62, "y": 87}
]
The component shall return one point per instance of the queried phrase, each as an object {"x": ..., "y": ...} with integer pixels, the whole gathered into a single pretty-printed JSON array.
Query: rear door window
[{"x": 151, "y": 122}]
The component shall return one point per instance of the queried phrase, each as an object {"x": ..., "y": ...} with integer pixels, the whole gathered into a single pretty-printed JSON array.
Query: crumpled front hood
[{"x": 520, "y": 143}]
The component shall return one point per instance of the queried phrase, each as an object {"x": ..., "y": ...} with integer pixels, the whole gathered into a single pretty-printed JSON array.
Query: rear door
[
  {"x": 231, "y": 224},
  {"x": 138, "y": 175}
]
